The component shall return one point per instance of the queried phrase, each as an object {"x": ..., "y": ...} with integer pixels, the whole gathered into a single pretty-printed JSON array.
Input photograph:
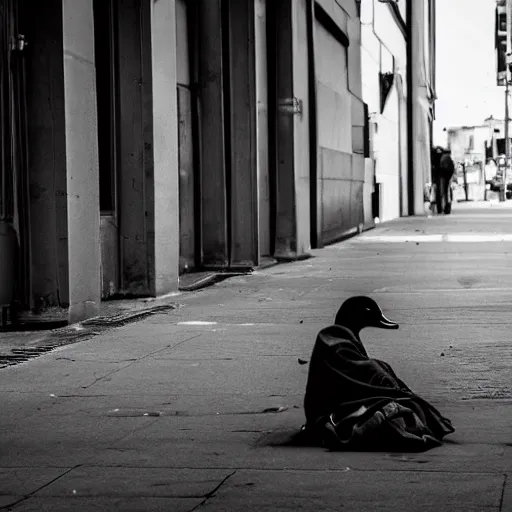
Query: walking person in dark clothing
[
  {"x": 443, "y": 169},
  {"x": 436, "y": 155}
]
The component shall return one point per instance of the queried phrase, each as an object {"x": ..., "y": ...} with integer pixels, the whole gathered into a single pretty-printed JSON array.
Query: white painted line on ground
[
  {"x": 201, "y": 322},
  {"x": 401, "y": 291},
  {"x": 455, "y": 238},
  {"x": 482, "y": 216},
  {"x": 161, "y": 297},
  {"x": 400, "y": 238}
]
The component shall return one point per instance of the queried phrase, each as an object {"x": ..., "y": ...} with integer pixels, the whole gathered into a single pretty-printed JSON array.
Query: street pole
[
  {"x": 464, "y": 173},
  {"x": 507, "y": 82},
  {"x": 507, "y": 140}
]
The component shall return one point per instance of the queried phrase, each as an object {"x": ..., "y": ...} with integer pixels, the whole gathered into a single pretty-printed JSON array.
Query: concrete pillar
[
  {"x": 148, "y": 147},
  {"x": 63, "y": 163},
  {"x": 165, "y": 234},
  {"x": 81, "y": 159},
  {"x": 264, "y": 192},
  {"x": 292, "y": 130}
]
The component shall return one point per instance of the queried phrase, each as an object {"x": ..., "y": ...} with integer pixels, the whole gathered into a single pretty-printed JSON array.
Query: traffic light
[{"x": 501, "y": 42}]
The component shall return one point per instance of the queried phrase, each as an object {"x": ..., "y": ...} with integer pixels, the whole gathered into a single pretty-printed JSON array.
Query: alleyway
[{"x": 187, "y": 409}]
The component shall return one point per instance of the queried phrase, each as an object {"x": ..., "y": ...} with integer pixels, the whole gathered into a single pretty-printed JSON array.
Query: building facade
[
  {"x": 421, "y": 15},
  {"x": 469, "y": 142},
  {"x": 398, "y": 73},
  {"x": 384, "y": 70},
  {"x": 143, "y": 140}
]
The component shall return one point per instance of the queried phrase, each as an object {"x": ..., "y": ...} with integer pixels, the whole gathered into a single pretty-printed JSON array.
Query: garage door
[{"x": 339, "y": 196}]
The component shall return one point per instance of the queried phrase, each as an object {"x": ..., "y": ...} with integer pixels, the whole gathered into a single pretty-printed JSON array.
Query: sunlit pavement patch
[
  {"x": 134, "y": 413},
  {"x": 400, "y": 238},
  {"x": 196, "y": 322},
  {"x": 477, "y": 238},
  {"x": 456, "y": 238}
]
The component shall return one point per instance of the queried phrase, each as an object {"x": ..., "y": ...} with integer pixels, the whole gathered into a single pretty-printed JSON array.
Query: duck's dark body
[{"x": 355, "y": 402}]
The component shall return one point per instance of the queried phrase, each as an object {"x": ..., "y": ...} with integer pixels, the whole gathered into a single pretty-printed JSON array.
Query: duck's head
[{"x": 359, "y": 312}]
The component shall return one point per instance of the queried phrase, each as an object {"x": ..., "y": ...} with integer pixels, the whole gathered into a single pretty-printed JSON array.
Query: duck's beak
[{"x": 385, "y": 323}]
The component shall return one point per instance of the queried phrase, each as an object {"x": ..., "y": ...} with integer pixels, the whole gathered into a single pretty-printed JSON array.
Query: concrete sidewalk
[{"x": 191, "y": 408}]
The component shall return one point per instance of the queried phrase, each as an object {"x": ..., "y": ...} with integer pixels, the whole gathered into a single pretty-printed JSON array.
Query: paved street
[{"x": 191, "y": 408}]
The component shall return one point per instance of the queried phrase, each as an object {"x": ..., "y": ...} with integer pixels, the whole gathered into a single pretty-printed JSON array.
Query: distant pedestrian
[{"x": 443, "y": 170}]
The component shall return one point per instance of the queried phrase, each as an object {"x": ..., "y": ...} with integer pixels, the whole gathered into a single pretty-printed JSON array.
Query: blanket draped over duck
[{"x": 354, "y": 402}]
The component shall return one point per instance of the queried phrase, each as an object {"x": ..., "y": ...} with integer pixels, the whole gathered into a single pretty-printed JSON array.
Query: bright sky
[{"x": 466, "y": 69}]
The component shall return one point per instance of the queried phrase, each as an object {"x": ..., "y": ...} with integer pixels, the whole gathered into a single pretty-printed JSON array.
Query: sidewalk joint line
[
  {"x": 212, "y": 493},
  {"x": 30, "y": 494},
  {"x": 293, "y": 470},
  {"x": 133, "y": 431},
  {"x": 108, "y": 374},
  {"x": 131, "y": 363},
  {"x": 502, "y": 497}
]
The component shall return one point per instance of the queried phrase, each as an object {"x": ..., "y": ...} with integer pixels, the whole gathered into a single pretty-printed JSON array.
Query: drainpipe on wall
[
  {"x": 410, "y": 119},
  {"x": 313, "y": 126},
  {"x": 503, "y": 196}
]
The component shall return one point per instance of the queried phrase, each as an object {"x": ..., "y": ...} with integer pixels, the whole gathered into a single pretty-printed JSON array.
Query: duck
[
  {"x": 348, "y": 394},
  {"x": 359, "y": 312},
  {"x": 339, "y": 353}
]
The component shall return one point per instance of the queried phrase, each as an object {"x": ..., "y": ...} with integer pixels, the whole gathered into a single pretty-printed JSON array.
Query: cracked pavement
[{"x": 192, "y": 409}]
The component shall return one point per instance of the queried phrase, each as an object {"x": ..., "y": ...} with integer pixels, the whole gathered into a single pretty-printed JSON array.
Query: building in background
[
  {"x": 479, "y": 143},
  {"x": 147, "y": 140},
  {"x": 468, "y": 142},
  {"x": 477, "y": 150}
]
